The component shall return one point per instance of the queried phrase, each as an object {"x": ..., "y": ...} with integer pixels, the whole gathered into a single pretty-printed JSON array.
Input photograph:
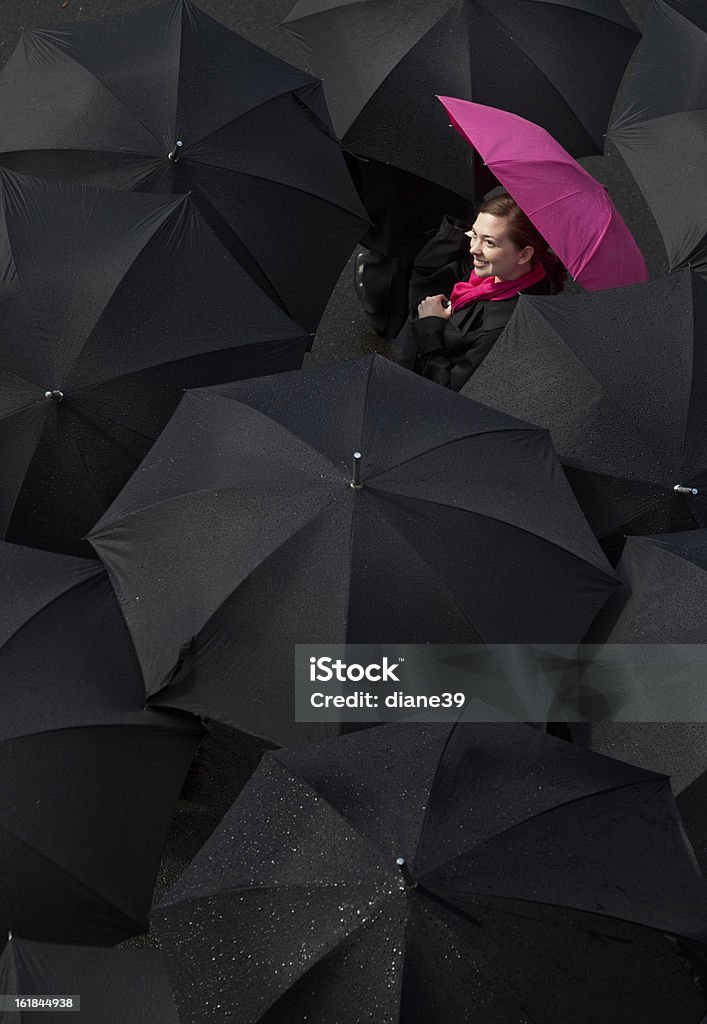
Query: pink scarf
[{"x": 466, "y": 292}]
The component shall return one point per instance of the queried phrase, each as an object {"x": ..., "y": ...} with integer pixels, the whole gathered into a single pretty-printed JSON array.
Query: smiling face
[{"x": 494, "y": 253}]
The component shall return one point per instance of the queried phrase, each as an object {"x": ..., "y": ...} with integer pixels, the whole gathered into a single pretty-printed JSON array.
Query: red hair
[{"x": 522, "y": 232}]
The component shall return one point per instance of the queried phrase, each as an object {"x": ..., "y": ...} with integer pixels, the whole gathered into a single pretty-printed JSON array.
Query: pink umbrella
[{"x": 570, "y": 209}]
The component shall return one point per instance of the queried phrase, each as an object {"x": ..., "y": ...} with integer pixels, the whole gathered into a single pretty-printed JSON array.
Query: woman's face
[{"x": 494, "y": 253}]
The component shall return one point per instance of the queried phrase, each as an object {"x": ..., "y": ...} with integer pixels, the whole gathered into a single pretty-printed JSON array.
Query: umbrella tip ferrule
[
  {"x": 356, "y": 474},
  {"x": 56, "y": 396},
  {"x": 173, "y": 155},
  {"x": 685, "y": 490},
  {"x": 410, "y": 882}
]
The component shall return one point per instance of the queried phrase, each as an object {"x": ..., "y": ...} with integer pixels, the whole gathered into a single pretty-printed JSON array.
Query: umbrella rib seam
[
  {"x": 565, "y": 906},
  {"x": 656, "y": 462},
  {"x": 455, "y": 440},
  {"x": 84, "y": 886},
  {"x": 110, "y": 92},
  {"x": 163, "y": 687},
  {"x": 513, "y": 526},
  {"x": 281, "y": 184},
  {"x": 88, "y": 574},
  {"x": 445, "y": 14},
  {"x": 443, "y": 584},
  {"x": 542, "y": 814},
  {"x": 425, "y": 816},
  {"x": 176, "y": 206},
  {"x": 264, "y": 415},
  {"x": 596, "y": 14},
  {"x": 130, "y": 513},
  {"x": 336, "y": 810},
  {"x": 69, "y": 435},
  {"x": 250, "y": 347},
  {"x": 257, "y": 106},
  {"x": 555, "y": 89},
  {"x": 358, "y": 926}
]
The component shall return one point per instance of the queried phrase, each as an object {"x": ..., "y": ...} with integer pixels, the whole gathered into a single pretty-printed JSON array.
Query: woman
[{"x": 445, "y": 340}]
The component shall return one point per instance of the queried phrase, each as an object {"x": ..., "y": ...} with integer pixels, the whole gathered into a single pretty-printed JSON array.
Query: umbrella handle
[{"x": 685, "y": 490}]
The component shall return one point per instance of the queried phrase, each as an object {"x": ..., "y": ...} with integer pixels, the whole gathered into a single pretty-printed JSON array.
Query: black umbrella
[
  {"x": 664, "y": 597},
  {"x": 90, "y": 778},
  {"x": 252, "y": 527},
  {"x": 172, "y": 101},
  {"x": 612, "y": 375},
  {"x": 660, "y": 126},
  {"x": 429, "y": 874},
  {"x": 651, "y": 641},
  {"x": 383, "y": 62},
  {"x": 112, "y": 304},
  {"x": 113, "y": 986}
]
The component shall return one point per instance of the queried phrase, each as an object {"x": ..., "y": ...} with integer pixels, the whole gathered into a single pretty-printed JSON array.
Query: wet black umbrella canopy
[
  {"x": 252, "y": 527},
  {"x": 656, "y": 629},
  {"x": 660, "y": 126},
  {"x": 172, "y": 101},
  {"x": 664, "y": 597},
  {"x": 112, "y": 304},
  {"x": 90, "y": 778},
  {"x": 383, "y": 62},
  {"x": 615, "y": 376},
  {"x": 426, "y": 874},
  {"x": 114, "y": 985}
]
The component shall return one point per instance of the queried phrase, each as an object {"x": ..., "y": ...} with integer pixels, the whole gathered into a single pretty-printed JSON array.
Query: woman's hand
[{"x": 435, "y": 305}]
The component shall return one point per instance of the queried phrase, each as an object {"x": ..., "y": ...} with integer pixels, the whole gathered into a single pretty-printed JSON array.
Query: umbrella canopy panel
[
  {"x": 556, "y": 63},
  {"x": 114, "y": 985},
  {"x": 173, "y": 101},
  {"x": 664, "y": 597},
  {"x": 533, "y": 886},
  {"x": 90, "y": 777},
  {"x": 570, "y": 209},
  {"x": 615, "y": 377},
  {"x": 243, "y": 535},
  {"x": 660, "y": 126},
  {"x": 112, "y": 305}
]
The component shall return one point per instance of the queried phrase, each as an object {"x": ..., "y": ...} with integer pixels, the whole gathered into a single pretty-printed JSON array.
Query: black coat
[{"x": 448, "y": 351}]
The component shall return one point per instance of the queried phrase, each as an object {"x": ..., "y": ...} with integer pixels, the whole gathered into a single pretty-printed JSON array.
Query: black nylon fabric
[
  {"x": 119, "y": 302},
  {"x": 500, "y": 945},
  {"x": 257, "y": 145},
  {"x": 241, "y": 534},
  {"x": 115, "y": 985},
  {"x": 99, "y": 679},
  {"x": 660, "y": 126},
  {"x": 664, "y": 600},
  {"x": 90, "y": 777},
  {"x": 84, "y": 815},
  {"x": 557, "y": 64},
  {"x": 615, "y": 376},
  {"x": 20, "y": 568}
]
